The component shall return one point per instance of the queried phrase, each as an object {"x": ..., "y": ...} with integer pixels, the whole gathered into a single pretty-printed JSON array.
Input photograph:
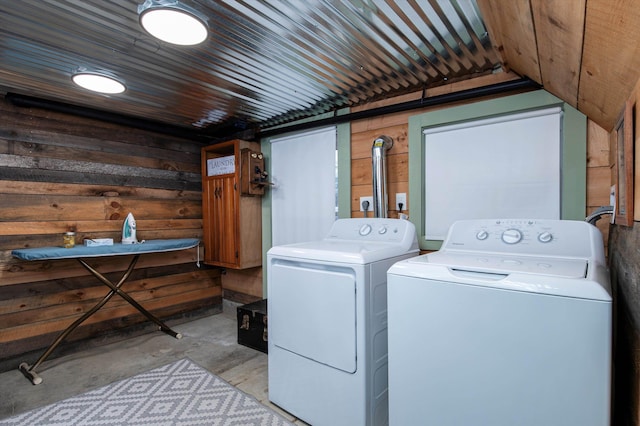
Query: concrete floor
[{"x": 210, "y": 342}]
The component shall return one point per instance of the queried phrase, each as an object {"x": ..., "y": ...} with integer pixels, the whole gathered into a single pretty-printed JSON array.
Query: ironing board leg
[
  {"x": 132, "y": 302},
  {"x": 29, "y": 371}
]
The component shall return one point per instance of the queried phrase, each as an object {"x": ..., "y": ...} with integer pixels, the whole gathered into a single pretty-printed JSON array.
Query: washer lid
[
  {"x": 342, "y": 251},
  {"x": 576, "y": 278},
  {"x": 501, "y": 264}
]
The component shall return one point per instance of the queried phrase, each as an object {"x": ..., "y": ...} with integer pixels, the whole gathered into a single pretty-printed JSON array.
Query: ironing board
[{"x": 80, "y": 253}]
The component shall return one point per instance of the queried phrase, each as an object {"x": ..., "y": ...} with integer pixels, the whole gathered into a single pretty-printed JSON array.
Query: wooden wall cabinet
[{"x": 232, "y": 223}]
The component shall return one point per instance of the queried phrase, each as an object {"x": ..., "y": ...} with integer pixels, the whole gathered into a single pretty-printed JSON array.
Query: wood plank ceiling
[{"x": 586, "y": 52}]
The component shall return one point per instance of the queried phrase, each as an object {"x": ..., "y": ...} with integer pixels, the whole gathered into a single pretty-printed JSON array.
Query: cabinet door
[
  {"x": 220, "y": 222},
  {"x": 225, "y": 221}
]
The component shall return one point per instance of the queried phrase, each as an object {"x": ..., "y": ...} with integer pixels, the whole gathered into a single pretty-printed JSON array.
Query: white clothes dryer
[
  {"x": 327, "y": 304},
  {"x": 509, "y": 323}
]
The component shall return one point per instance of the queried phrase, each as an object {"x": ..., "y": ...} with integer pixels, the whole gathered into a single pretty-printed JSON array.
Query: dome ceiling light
[
  {"x": 173, "y": 22},
  {"x": 98, "y": 82}
]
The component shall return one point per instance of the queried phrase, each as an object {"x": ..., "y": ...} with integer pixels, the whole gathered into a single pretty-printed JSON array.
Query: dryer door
[{"x": 312, "y": 311}]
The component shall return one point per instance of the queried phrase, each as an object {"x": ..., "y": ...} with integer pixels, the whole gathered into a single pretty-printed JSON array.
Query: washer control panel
[{"x": 523, "y": 236}]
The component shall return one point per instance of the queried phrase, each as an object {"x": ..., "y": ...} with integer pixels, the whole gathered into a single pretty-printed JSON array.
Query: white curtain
[
  {"x": 303, "y": 201},
  {"x": 501, "y": 167}
]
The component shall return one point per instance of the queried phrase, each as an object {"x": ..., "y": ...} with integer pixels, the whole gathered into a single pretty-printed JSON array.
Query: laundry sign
[{"x": 221, "y": 165}]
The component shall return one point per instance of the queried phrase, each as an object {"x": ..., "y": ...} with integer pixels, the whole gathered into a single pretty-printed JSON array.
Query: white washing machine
[
  {"x": 510, "y": 323},
  {"x": 327, "y": 304}
]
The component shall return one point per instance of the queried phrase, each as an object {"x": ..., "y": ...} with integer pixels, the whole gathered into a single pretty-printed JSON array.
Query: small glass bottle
[{"x": 69, "y": 239}]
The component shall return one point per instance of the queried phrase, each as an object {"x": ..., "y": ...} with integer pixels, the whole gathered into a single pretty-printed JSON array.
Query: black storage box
[{"x": 252, "y": 325}]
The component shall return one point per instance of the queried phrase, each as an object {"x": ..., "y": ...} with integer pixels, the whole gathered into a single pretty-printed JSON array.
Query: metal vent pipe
[{"x": 379, "y": 159}]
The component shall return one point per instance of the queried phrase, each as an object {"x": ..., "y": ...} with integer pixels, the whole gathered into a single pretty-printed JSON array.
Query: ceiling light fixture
[
  {"x": 98, "y": 82},
  {"x": 175, "y": 23}
]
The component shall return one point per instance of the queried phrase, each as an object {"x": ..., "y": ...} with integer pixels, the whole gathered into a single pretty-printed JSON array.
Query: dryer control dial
[
  {"x": 512, "y": 236},
  {"x": 545, "y": 237},
  {"x": 382, "y": 230},
  {"x": 365, "y": 229}
]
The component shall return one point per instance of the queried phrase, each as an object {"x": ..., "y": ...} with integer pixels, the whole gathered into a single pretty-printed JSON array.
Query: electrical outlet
[
  {"x": 370, "y": 200},
  {"x": 401, "y": 197}
]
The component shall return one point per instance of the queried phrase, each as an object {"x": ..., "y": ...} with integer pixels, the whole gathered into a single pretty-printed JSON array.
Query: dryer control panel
[
  {"x": 563, "y": 238},
  {"x": 373, "y": 230}
]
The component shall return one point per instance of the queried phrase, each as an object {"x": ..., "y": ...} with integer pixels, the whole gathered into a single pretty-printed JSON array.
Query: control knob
[
  {"x": 545, "y": 237},
  {"x": 482, "y": 235},
  {"x": 512, "y": 236},
  {"x": 365, "y": 229}
]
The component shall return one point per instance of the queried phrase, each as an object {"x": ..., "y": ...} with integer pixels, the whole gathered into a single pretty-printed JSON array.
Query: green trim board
[
  {"x": 265, "y": 147},
  {"x": 344, "y": 170},
  {"x": 343, "y": 142},
  {"x": 573, "y": 150}
]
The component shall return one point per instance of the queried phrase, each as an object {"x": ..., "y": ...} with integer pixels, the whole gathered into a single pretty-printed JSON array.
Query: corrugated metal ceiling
[{"x": 263, "y": 64}]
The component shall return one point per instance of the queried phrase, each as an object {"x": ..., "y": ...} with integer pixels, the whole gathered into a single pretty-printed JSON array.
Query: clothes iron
[{"x": 129, "y": 230}]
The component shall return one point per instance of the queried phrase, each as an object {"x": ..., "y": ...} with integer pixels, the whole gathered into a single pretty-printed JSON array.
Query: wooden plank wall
[
  {"x": 624, "y": 258},
  {"x": 242, "y": 285},
  {"x": 62, "y": 173}
]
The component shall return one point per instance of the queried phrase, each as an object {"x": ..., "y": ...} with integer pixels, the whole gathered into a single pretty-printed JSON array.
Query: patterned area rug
[{"x": 181, "y": 393}]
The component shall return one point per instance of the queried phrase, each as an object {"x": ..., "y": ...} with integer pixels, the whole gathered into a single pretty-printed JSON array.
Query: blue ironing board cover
[{"x": 117, "y": 249}]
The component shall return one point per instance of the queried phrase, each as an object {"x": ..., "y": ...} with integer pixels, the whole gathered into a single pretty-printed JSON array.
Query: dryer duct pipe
[{"x": 379, "y": 159}]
